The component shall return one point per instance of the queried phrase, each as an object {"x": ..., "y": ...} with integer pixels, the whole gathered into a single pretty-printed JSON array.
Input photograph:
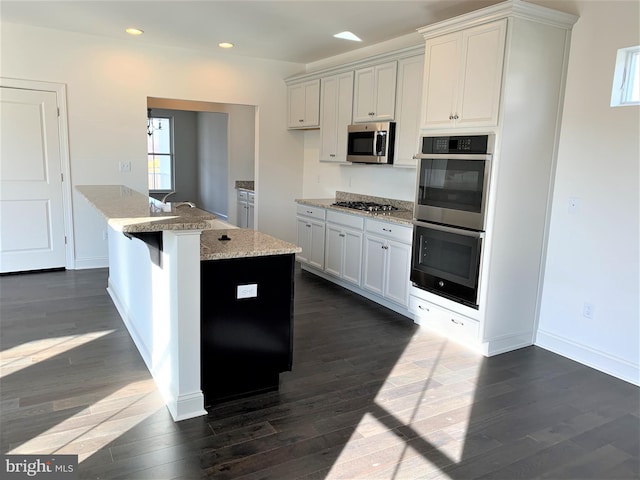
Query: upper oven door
[{"x": 452, "y": 189}]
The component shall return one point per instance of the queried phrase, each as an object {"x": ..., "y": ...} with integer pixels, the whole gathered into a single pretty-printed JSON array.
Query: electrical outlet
[
  {"x": 247, "y": 291},
  {"x": 104, "y": 234},
  {"x": 588, "y": 310},
  {"x": 574, "y": 205},
  {"x": 124, "y": 166}
]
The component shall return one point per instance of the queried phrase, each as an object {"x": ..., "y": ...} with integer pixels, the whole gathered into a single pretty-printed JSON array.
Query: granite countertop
[
  {"x": 243, "y": 243},
  {"x": 129, "y": 211},
  {"x": 245, "y": 185},
  {"x": 402, "y": 216}
]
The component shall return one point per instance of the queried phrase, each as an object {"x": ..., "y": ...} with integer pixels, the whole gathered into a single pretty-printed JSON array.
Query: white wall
[
  {"x": 108, "y": 82},
  {"x": 593, "y": 255}
]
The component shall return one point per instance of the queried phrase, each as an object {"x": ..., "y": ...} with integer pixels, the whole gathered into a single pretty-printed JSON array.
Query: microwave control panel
[{"x": 456, "y": 145}]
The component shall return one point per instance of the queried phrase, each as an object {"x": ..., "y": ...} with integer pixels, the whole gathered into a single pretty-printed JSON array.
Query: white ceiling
[{"x": 295, "y": 31}]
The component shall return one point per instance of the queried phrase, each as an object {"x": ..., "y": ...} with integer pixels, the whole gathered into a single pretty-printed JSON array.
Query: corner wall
[{"x": 593, "y": 254}]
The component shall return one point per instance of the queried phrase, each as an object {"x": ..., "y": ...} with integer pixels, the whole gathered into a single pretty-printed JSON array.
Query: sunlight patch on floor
[
  {"x": 420, "y": 416},
  {"x": 28, "y": 354},
  {"x": 93, "y": 428}
]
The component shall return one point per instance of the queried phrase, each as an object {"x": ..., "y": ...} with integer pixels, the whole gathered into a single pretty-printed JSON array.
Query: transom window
[
  {"x": 160, "y": 154},
  {"x": 626, "y": 78}
]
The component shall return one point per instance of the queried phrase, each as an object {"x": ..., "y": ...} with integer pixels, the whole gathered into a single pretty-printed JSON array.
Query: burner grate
[{"x": 367, "y": 206}]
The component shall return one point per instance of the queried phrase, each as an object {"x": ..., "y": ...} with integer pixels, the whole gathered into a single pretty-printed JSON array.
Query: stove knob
[{"x": 441, "y": 284}]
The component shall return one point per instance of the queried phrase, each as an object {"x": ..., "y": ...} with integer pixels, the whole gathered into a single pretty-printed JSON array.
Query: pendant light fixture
[{"x": 150, "y": 126}]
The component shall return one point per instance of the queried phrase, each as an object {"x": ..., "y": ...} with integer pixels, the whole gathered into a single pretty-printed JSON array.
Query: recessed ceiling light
[
  {"x": 225, "y": 45},
  {"x": 134, "y": 31},
  {"x": 348, "y": 36}
]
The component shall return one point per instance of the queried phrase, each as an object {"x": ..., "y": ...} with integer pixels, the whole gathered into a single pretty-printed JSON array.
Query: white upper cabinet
[
  {"x": 408, "y": 110},
  {"x": 304, "y": 105},
  {"x": 463, "y": 77},
  {"x": 336, "y": 99},
  {"x": 375, "y": 93}
]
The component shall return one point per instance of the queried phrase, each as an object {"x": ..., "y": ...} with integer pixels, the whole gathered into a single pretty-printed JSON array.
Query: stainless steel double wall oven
[{"x": 450, "y": 215}]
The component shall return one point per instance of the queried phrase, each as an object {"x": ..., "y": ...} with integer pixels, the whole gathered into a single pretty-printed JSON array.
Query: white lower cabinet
[
  {"x": 245, "y": 209},
  {"x": 310, "y": 223},
  {"x": 387, "y": 260},
  {"x": 445, "y": 321},
  {"x": 343, "y": 246}
]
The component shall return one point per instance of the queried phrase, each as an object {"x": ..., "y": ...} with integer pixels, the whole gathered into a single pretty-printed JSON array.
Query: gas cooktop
[{"x": 367, "y": 206}]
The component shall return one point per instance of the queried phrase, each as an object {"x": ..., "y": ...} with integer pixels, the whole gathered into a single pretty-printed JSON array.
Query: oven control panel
[{"x": 456, "y": 145}]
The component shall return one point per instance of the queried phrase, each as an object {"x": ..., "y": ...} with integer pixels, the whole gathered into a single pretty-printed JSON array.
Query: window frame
[
  {"x": 626, "y": 75},
  {"x": 171, "y": 154}
]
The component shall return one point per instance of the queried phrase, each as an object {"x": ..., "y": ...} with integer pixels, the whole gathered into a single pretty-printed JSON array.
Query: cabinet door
[
  {"x": 316, "y": 250},
  {"x": 481, "y": 80},
  {"x": 352, "y": 264},
  {"x": 441, "y": 73},
  {"x": 398, "y": 264},
  {"x": 242, "y": 214},
  {"x": 374, "y": 264},
  {"x": 304, "y": 105},
  {"x": 334, "y": 250},
  {"x": 304, "y": 239},
  {"x": 335, "y": 116},
  {"x": 363, "y": 108},
  {"x": 250, "y": 215},
  {"x": 385, "y": 92},
  {"x": 374, "y": 97},
  {"x": 408, "y": 110}
]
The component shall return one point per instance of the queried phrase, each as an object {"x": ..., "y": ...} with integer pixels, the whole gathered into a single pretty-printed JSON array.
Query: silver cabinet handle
[
  {"x": 341, "y": 235},
  {"x": 457, "y": 323},
  {"x": 309, "y": 212},
  {"x": 455, "y": 117},
  {"x": 332, "y": 154},
  {"x": 387, "y": 230},
  {"x": 423, "y": 308},
  {"x": 301, "y": 120},
  {"x": 372, "y": 114}
]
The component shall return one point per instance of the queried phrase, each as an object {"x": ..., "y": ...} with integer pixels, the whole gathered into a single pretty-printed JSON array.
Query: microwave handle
[
  {"x": 444, "y": 228},
  {"x": 379, "y": 143}
]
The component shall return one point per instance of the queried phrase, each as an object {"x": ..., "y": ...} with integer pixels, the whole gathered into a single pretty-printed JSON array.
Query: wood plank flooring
[{"x": 371, "y": 396}]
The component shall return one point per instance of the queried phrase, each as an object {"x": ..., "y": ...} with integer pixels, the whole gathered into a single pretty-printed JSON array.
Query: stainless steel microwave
[{"x": 371, "y": 142}]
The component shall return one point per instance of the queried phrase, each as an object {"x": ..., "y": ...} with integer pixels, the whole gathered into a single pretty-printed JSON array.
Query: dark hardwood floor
[{"x": 370, "y": 396}]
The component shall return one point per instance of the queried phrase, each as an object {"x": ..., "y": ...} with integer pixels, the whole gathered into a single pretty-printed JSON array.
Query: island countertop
[
  {"x": 129, "y": 211},
  {"x": 242, "y": 243}
]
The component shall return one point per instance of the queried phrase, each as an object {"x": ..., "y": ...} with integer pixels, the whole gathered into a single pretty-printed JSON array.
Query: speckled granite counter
[
  {"x": 129, "y": 211},
  {"x": 245, "y": 185},
  {"x": 402, "y": 216},
  {"x": 243, "y": 243}
]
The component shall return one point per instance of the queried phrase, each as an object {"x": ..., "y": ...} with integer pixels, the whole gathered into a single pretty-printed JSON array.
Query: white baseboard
[
  {"x": 92, "y": 262},
  {"x": 604, "y": 362}
]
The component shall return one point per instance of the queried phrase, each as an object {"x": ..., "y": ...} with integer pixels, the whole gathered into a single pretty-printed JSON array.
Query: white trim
[
  {"x": 60, "y": 89},
  {"x": 615, "y": 366},
  {"x": 91, "y": 262}
]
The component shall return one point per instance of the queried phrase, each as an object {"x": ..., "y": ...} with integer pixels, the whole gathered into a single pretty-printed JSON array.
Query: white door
[{"x": 32, "y": 234}]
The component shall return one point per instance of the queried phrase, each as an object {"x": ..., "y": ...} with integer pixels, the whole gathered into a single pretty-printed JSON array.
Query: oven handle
[
  {"x": 453, "y": 156},
  {"x": 444, "y": 228}
]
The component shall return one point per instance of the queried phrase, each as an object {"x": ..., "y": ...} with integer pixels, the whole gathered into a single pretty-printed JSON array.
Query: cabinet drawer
[
  {"x": 445, "y": 321},
  {"x": 313, "y": 212},
  {"x": 390, "y": 230},
  {"x": 242, "y": 194},
  {"x": 345, "y": 219}
]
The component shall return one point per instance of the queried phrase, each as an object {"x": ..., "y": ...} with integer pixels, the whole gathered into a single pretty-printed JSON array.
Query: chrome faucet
[
  {"x": 164, "y": 199},
  {"x": 191, "y": 204}
]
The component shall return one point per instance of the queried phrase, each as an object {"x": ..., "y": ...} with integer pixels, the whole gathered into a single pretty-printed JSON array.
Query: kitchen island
[{"x": 166, "y": 266}]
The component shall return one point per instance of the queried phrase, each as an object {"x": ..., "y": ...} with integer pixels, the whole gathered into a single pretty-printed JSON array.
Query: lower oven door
[{"x": 446, "y": 261}]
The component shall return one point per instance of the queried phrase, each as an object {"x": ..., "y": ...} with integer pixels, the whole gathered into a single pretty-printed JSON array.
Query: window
[
  {"x": 626, "y": 78},
  {"x": 160, "y": 154}
]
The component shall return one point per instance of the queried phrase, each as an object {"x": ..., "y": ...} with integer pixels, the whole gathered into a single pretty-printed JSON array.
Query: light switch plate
[{"x": 247, "y": 291}]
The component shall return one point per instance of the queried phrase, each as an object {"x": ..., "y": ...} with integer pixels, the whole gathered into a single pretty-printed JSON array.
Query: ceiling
[{"x": 294, "y": 31}]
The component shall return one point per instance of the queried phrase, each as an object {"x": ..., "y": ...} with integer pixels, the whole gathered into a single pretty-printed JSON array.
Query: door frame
[{"x": 60, "y": 89}]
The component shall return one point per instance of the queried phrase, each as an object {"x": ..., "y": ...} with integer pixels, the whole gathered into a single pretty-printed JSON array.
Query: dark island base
[{"x": 245, "y": 342}]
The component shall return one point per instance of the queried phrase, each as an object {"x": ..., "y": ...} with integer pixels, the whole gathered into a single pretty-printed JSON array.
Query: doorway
[
  {"x": 214, "y": 149},
  {"x": 36, "y": 231}
]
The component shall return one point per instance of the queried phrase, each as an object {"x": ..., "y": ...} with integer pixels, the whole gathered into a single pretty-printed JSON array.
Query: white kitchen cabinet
[
  {"x": 311, "y": 231},
  {"x": 336, "y": 107},
  {"x": 246, "y": 208},
  {"x": 343, "y": 246},
  {"x": 374, "y": 97},
  {"x": 387, "y": 260},
  {"x": 304, "y": 105},
  {"x": 408, "y": 95},
  {"x": 463, "y": 77}
]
